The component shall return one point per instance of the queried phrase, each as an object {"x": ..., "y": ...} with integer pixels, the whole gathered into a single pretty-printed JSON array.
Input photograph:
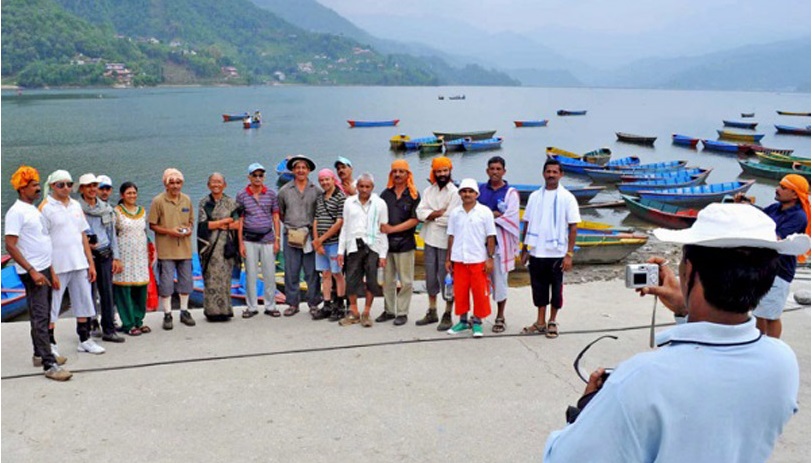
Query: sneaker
[
  {"x": 400, "y": 320},
  {"x": 429, "y": 318},
  {"x": 445, "y": 323},
  {"x": 459, "y": 328},
  {"x": 385, "y": 317},
  {"x": 90, "y": 347},
  {"x": 167, "y": 321},
  {"x": 186, "y": 318},
  {"x": 477, "y": 329},
  {"x": 112, "y": 337},
  {"x": 58, "y": 373},
  {"x": 37, "y": 360}
]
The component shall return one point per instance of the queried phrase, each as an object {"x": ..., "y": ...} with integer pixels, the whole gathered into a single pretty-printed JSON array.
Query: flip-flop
[
  {"x": 291, "y": 311},
  {"x": 535, "y": 328},
  {"x": 273, "y": 313}
]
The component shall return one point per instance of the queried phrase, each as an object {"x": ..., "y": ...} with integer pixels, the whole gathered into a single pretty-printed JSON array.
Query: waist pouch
[{"x": 105, "y": 253}]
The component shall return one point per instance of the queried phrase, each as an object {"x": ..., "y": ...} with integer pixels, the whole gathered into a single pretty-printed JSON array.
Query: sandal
[
  {"x": 248, "y": 313},
  {"x": 291, "y": 311},
  {"x": 552, "y": 330},
  {"x": 499, "y": 325},
  {"x": 535, "y": 328},
  {"x": 134, "y": 332},
  {"x": 275, "y": 313},
  {"x": 350, "y": 319},
  {"x": 366, "y": 322},
  {"x": 145, "y": 329}
]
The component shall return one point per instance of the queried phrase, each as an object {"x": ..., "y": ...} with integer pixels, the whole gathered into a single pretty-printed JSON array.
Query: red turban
[{"x": 23, "y": 176}]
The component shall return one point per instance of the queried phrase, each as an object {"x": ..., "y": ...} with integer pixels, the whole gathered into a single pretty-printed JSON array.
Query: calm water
[{"x": 135, "y": 134}]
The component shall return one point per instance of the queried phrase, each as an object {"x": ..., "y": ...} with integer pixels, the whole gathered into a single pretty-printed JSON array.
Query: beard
[{"x": 442, "y": 180}]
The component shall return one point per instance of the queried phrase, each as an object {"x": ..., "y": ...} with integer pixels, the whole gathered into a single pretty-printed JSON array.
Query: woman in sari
[
  {"x": 218, "y": 218},
  {"x": 130, "y": 286}
]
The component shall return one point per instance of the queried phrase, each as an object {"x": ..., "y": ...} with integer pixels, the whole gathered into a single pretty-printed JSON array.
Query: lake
[{"x": 134, "y": 134}]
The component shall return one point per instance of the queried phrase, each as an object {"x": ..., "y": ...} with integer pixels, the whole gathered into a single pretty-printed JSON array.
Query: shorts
[
  {"x": 166, "y": 276},
  {"x": 361, "y": 265},
  {"x": 547, "y": 281},
  {"x": 81, "y": 295},
  {"x": 772, "y": 304},
  {"x": 328, "y": 261}
]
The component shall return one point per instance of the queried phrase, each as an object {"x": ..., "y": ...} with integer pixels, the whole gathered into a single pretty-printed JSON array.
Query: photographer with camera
[{"x": 715, "y": 371}]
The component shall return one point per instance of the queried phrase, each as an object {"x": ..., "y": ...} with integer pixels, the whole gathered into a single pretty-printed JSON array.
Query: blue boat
[
  {"x": 415, "y": 143},
  {"x": 482, "y": 145},
  {"x": 722, "y": 146},
  {"x": 13, "y": 301},
  {"x": 684, "y": 140},
  {"x": 251, "y": 124},
  {"x": 697, "y": 196},
  {"x": 582, "y": 193},
  {"x": 234, "y": 117},
  {"x": 656, "y": 166},
  {"x": 740, "y": 125},
  {"x": 576, "y": 166},
  {"x": 532, "y": 123},
  {"x": 628, "y": 161},
  {"x": 386, "y": 123},
  {"x": 614, "y": 174},
  {"x": 455, "y": 145},
  {"x": 681, "y": 173},
  {"x": 793, "y": 130},
  {"x": 237, "y": 292},
  {"x": 282, "y": 171},
  {"x": 632, "y": 188}
]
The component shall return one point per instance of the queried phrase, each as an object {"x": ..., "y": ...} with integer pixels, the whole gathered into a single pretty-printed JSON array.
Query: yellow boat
[
  {"x": 397, "y": 142},
  {"x": 781, "y": 159}
]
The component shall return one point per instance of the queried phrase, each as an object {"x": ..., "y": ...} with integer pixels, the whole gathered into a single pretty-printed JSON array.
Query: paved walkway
[{"x": 291, "y": 389}]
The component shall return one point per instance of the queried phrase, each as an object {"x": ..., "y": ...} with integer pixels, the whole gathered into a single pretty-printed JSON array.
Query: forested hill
[{"x": 144, "y": 42}]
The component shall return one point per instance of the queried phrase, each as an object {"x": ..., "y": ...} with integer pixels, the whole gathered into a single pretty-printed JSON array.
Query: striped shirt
[
  {"x": 258, "y": 214},
  {"x": 328, "y": 211}
]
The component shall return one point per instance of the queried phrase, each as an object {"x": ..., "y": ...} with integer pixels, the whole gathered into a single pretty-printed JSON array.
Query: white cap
[
  {"x": 104, "y": 180},
  {"x": 734, "y": 225},
  {"x": 469, "y": 183}
]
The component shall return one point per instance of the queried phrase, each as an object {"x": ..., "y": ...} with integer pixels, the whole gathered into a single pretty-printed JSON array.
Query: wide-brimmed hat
[
  {"x": 300, "y": 157},
  {"x": 469, "y": 183},
  {"x": 733, "y": 226}
]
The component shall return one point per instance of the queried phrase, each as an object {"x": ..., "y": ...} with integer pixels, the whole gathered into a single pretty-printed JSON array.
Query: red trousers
[{"x": 471, "y": 279}]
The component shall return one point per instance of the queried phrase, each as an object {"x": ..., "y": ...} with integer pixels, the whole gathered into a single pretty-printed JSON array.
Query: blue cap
[
  {"x": 255, "y": 167},
  {"x": 342, "y": 160}
]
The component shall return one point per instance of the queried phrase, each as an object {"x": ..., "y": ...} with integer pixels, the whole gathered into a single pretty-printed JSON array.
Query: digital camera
[{"x": 642, "y": 275}]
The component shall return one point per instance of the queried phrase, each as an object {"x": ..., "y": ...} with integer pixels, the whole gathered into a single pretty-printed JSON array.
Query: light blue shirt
[{"x": 710, "y": 393}]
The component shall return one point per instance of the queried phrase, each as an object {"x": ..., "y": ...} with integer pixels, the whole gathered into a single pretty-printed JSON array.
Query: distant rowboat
[
  {"x": 631, "y": 188},
  {"x": 684, "y": 140},
  {"x": 532, "y": 123},
  {"x": 774, "y": 172},
  {"x": 415, "y": 143},
  {"x": 583, "y": 194},
  {"x": 251, "y": 124},
  {"x": 234, "y": 117},
  {"x": 696, "y": 196},
  {"x": 482, "y": 145},
  {"x": 727, "y": 134},
  {"x": 576, "y": 166},
  {"x": 660, "y": 213},
  {"x": 455, "y": 145},
  {"x": 748, "y": 114},
  {"x": 722, "y": 146},
  {"x": 476, "y": 135},
  {"x": 605, "y": 249},
  {"x": 793, "y": 130},
  {"x": 398, "y": 142},
  {"x": 781, "y": 159},
  {"x": 567, "y": 112},
  {"x": 641, "y": 176},
  {"x": 740, "y": 124},
  {"x": 750, "y": 149},
  {"x": 632, "y": 138},
  {"x": 792, "y": 113},
  {"x": 386, "y": 123},
  {"x": 600, "y": 156},
  {"x": 615, "y": 174}
]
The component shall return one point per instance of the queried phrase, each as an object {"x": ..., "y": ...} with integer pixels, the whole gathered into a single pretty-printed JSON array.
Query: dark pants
[
  {"x": 295, "y": 261},
  {"x": 547, "y": 281},
  {"x": 361, "y": 266},
  {"x": 39, "y": 313},
  {"x": 104, "y": 285}
]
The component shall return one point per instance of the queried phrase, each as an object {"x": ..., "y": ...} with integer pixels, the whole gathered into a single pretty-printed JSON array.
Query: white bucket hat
[
  {"x": 469, "y": 183},
  {"x": 732, "y": 226}
]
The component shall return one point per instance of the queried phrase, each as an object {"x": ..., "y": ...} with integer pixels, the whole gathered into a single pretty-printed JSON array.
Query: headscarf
[
  {"x": 402, "y": 164},
  {"x": 438, "y": 163},
  {"x": 171, "y": 173},
  {"x": 56, "y": 176},
  {"x": 329, "y": 173},
  {"x": 800, "y": 186},
  {"x": 23, "y": 176}
]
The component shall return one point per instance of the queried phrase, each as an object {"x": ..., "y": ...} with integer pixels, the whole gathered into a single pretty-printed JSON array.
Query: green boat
[
  {"x": 782, "y": 160},
  {"x": 432, "y": 147},
  {"x": 774, "y": 172},
  {"x": 478, "y": 135}
]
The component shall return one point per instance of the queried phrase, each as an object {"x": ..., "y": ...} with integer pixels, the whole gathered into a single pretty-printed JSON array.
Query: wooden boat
[
  {"x": 771, "y": 171},
  {"x": 631, "y": 188},
  {"x": 414, "y": 143},
  {"x": 748, "y": 114},
  {"x": 251, "y": 124},
  {"x": 455, "y": 145},
  {"x": 615, "y": 175},
  {"x": 792, "y": 113},
  {"x": 696, "y": 196},
  {"x": 431, "y": 147},
  {"x": 568, "y": 112},
  {"x": 688, "y": 172},
  {"x": 457, "y": 97},
  {"x": 684, "y": 140},
  {"x": 659, "y": 213},
  {"x": 13, "y": 294},
  {"x": 656, "y": 166},
  {"x": 721, "y": 146},
  {"x": 727, "y": 134},
  {"x": 597, "y": 249},
  {"x": 532, "y": 123},
  {"x": 576, "y": 166},
  {"x": 751, "y": 149},
  {"x": 282, "y": 171},
  {"x": 793, "y": 130},
  {"x": 386, "y": 123},
  {"x": 234, "y": 117},
  {"x": 632, "y": 138},
  {"x": 740, "y": 124},
  {"x": 398, "y": 142},
  {"x": 582, "y": 193},
  {"x": 476, "y": 135},
  {"x": 781, "y": 159},
  {"x": 482, "y": 145},
  {"x": 600, "y": 156}
]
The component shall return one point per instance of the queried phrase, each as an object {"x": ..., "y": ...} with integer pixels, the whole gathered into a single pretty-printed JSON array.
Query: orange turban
[
  {"x": 403, "y": 165},
  {"x": 438, "y": 163},
  {"x": 800, "y": 186},
  {"x": 23, "y": 176}
]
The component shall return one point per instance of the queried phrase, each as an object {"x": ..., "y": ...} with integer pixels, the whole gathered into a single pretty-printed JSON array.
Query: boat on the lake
[
  {"x": 730, "y": 135},
  {"x": 686, "y": 173},
  {"x": 532, "y": 123},
  {"x": 398, "y": 142},
  {"x": 660, "y": 213},
  {"x": 583, "y": 194},
  {"x": 600, "y": 156},
  {"x": 614, "y": 174},
  {"x": 415, "y": 143},
  {"x": 13, "y": 298},
  {"x": 576, "y": 166},
  {"x": 631, "y": 188},
  {"x": 697, "y": 196},
  {"x": 721, "y": 146},
  {"x": 684, "y": 140},
  {"x": 604, "y": 249},
  {"x": 431, "y": 147},
  {"x": 385, "y": 123},
  {"x": 457, "y": 97},
  {"x": 748, "y": 115},
  {"x": 251, "y": 124},
  {"x": 570, "y": 112},
  {"x": 787, "y": 129},
  {"x": 482, "y": 145},
  {"x": 282, "y": 171},
  {"x": 235, "y": 117},
  {"x": 475, "y": 135},
  {"x": 781, "y": 159},
  {"x": 740, "y": 124},
  {"x": 751, "y": 149},
  {"x": 655, "y": 166},
  {"x": 774, "y": 172},
  {"x": 792, "y": 113},
  {"x": 455, "y": 145},
  {"x": 632, "y": 138}
]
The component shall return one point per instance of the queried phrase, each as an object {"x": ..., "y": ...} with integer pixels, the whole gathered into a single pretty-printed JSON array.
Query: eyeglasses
[
  {"x": 578, "y": 358},
  {"x": 61, "y": 185},
  {"x": 258, "y": 174}
]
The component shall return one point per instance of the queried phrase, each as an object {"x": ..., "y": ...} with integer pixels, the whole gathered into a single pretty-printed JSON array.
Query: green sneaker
[
  {"x": 459, "y": 328},
  {"x": 477, "y": 329}
]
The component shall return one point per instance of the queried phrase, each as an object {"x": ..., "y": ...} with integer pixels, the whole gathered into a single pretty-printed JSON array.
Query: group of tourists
[{"x": 344, "y": 238}]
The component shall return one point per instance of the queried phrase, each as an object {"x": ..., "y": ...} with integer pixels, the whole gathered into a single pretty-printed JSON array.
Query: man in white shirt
[
  {"x": 28, "y": 243},
  {"x": 72, "y": 258},
  {"x": 362, "y": 246},
  {"x": 471, "y": 247},
  {"x": 716, "y": 389},
  {"x": 436, "y": 202},
  {"x": 551, "y": 224}
]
